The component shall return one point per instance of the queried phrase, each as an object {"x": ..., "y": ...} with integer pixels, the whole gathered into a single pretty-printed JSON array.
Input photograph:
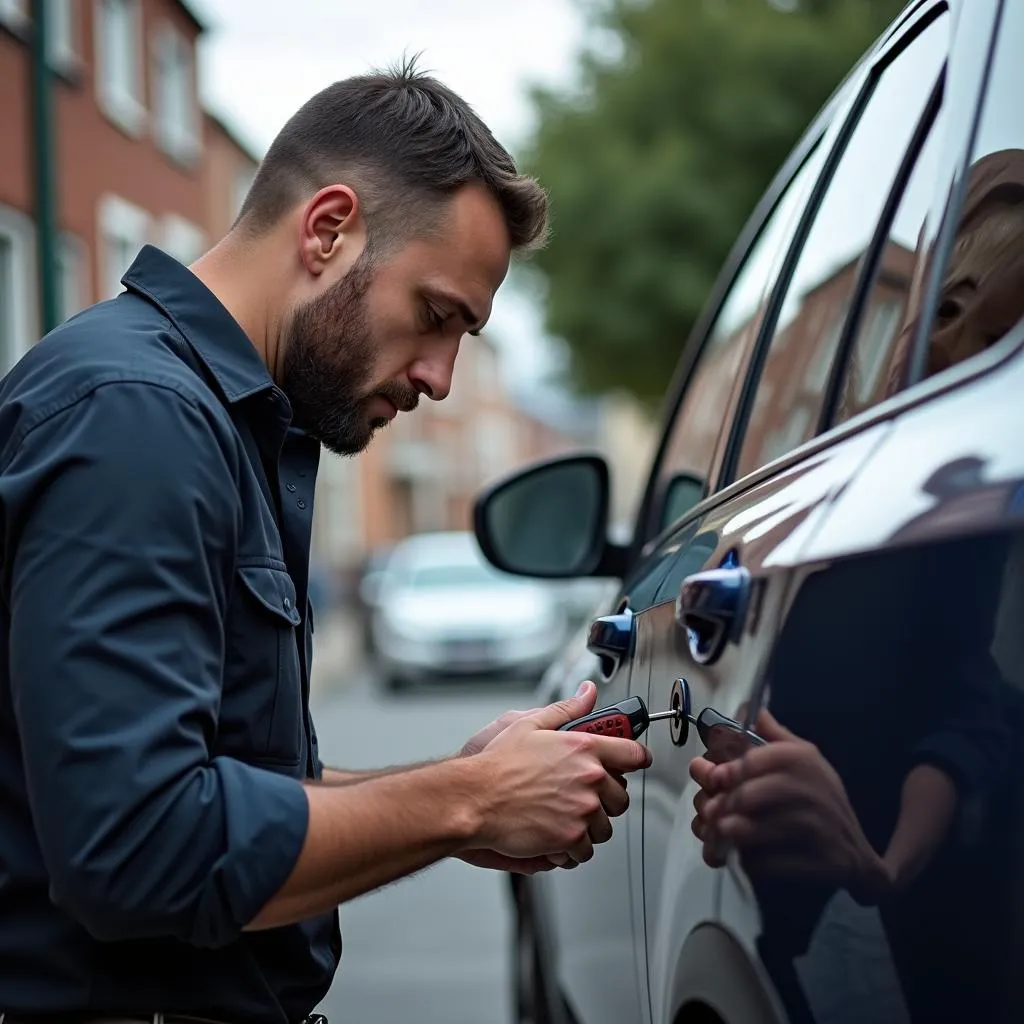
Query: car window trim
[
  {"x": 871, "y": 259},
  {"x": 880, "y": 62},
  {"x": 701, "y": 334},
  {"x": 946, "y": 236}
]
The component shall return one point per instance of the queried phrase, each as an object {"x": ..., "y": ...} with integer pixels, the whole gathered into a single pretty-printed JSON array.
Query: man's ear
[{"x": 332, "y": 220}]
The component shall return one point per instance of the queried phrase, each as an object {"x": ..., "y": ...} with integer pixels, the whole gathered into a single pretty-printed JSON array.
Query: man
[{"x": 170, "y": 845}]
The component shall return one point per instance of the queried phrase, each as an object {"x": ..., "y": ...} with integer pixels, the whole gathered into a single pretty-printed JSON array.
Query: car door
[
  {"x": 594, "y": 916},
  {"x": 921, "y": 724},
  {"x": 717, "y": 614}
]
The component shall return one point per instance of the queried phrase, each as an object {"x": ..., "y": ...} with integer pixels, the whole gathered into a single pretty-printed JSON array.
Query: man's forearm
[
  {"x": 361, "y": 837},
  {"x": 345, "y": 777}
]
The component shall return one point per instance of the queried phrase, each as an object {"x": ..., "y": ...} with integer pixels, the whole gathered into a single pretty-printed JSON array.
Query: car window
[
  {"x": 686, "y": 463},
  {"x": 876, "y": 366},
  {"x": 791, "y": 391},
  {"x": 982, "y": 288}
]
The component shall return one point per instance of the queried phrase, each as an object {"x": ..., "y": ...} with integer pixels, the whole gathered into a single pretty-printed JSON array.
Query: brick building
[
  {"x": 423, "y": 472},
  {"x": 136, "y": 158}
]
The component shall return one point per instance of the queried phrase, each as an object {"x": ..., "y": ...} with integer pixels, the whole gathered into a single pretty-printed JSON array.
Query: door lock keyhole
[{"x": 679, "y": 702}]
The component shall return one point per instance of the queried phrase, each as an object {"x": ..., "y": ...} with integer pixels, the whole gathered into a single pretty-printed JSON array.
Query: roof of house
[{"x": 190, "y": 9}]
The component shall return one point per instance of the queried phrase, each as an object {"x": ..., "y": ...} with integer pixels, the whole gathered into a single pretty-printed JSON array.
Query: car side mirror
[{"x": 550, "y": 521}]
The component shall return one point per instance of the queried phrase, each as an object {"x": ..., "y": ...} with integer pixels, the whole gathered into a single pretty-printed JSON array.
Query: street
[{"x": 433, "y": 948}]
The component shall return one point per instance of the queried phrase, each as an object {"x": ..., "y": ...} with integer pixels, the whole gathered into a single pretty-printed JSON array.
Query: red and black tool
[
  {"x": 630, "y": 718},
  {"x": 627, "y": 719}
]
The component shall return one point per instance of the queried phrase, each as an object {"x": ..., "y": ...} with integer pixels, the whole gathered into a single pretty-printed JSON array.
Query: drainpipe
[{"x": 44, "y": 150}]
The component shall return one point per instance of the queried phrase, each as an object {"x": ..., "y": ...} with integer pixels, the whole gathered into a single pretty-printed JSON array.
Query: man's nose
[{"x": 432, "y": 376}]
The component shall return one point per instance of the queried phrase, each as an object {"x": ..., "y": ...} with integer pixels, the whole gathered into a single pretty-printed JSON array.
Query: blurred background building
[{"x": 132, "y": 157}]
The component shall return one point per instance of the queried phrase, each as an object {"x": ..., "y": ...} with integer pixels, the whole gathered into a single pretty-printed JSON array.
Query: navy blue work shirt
[{"x": 155, "y": 508}]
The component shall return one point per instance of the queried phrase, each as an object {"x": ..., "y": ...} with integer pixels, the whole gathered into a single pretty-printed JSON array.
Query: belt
[{"x": 129, "y": 1018}]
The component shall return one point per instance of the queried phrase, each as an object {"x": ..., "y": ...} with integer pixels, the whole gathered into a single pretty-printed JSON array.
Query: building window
[
  {"x": 14, "y": 14},
  {"x": 62, "y": 35},
  {"x": 123, "y": 231},
  {"x": 243, "y": 180},
  {"x": 174, "y": 94},
  {"x": 18, "y": 295},
  {"x": 119, "y": 63},
  {"x": 182, "y": 239},
  {"x": 71, "y": 277}
]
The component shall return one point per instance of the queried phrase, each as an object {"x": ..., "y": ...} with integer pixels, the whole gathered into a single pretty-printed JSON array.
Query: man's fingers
[
  {"x": 780, "y": 757},
  {"x": 599, "y": 828},
  {"x": 564, "y": 711},
  {"x": 620, "y": 755},
  {"x": 703, "y": 772},
  {"x": 582, "y": 851},
  {"x": 753, "y": 797},
  {"x": 614, "y": 798},
  {"x": 561, "y": 860}
]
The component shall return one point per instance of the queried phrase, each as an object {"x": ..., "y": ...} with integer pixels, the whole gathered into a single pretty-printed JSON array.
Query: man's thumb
[{"x": 563, "y": 711}]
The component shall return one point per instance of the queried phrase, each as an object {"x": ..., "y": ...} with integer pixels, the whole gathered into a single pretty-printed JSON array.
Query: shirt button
[
  {"x": 291, "y": 487},
  {"x": 287, "y": 604},
  {"x": 301, "y": 504}
]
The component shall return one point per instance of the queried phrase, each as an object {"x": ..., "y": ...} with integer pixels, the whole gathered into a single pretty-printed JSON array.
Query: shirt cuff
[{"x": 266, "y": 819}]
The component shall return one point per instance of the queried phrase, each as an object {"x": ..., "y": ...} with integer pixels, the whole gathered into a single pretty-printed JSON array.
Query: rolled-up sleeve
[{"x": 120, "y": 524}]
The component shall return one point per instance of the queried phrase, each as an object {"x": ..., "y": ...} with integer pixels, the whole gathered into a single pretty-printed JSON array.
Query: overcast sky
[{"x": 263, "y": 58}]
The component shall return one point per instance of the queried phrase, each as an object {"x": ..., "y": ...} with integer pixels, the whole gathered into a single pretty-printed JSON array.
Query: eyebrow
[{"x": 469, "y": 317}]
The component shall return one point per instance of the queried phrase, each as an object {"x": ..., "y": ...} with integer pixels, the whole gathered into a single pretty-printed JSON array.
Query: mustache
[{"x": 403, "y": 397}]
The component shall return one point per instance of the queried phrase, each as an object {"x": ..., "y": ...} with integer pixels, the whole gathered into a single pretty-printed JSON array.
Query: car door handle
[
  {"x": 611, "y": 639},
  {"x": 711, "y": 607}
]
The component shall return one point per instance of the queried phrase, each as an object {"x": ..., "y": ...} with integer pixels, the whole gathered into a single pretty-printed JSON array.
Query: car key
[
  {"x": 724, "y": 738},
  {"x": 628, "y": 719}
]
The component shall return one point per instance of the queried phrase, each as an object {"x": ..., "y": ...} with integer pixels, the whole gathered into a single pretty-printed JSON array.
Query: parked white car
[{"x": 443, "y": 612}]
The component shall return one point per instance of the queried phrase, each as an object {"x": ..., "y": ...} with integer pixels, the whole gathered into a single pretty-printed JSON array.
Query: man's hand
[
  {"x": 617, "y": 799},
  {"x": 513, "y": 865},
  {"x": 785, "y": 809},
  {"x": 553, "y": 793},
  {"x": 477, "y": 742}
]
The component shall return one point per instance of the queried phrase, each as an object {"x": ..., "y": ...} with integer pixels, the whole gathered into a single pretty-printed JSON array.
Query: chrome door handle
[
  {"x": 611, "y": 639},
  {"x": 711, "y": 607}
]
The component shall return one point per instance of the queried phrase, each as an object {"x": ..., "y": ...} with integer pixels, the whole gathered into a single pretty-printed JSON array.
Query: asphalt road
[{"x": 434, "y": 948}]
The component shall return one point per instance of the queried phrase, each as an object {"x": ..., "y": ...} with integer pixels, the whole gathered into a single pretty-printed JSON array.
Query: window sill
[
  {"x": 17, "y": 26},
  {"x": 68, "y": 67},
  {"x": 125, "y": 113},
  {"x": 184, "y": 152}
]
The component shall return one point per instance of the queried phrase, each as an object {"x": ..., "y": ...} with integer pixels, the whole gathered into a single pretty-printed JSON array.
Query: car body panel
[
  {"x": 765, "y": 531},
  {"x": 917, "y": 496}
]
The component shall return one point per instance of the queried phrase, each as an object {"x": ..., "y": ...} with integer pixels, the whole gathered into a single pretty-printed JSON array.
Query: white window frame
[
  {"x": 21, "y": 318},
  {"x": 15, "y": 15},
  {"x": 122, "y": 104},
  {"x": 240, "y": 184},
  {"x": 62, "y": 42},
  {"x": 124, "y": 222},
  {"x": 73, "y": 276},
  {"x": 176, "y": 130},
  {"x": 182, "y": 239}
]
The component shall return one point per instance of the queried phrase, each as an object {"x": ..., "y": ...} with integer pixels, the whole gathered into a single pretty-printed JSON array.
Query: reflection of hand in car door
[{"x": 786, "y": 810}]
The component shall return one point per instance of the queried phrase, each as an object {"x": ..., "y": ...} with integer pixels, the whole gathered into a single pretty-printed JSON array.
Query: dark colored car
[{"x": 833, "y": 529}]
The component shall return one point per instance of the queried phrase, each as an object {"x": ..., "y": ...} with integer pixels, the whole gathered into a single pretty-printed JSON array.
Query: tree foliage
[{"x": 657, "y": 159}]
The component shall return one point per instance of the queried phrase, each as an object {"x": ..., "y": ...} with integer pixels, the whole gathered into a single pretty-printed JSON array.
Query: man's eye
[{"x": 434, "y": 318}]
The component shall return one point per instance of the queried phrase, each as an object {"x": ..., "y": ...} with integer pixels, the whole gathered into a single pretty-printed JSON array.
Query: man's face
[{"x": 388, "y": 330}]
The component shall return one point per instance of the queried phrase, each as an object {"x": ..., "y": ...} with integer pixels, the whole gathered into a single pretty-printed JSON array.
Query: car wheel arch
[{"x": 715, "y": 982}]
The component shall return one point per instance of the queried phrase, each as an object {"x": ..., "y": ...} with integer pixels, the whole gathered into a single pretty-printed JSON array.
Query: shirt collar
[{"x": 207, "y": 326}]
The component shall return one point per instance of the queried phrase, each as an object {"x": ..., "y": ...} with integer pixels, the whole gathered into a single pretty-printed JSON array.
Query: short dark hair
[{"x": 406, "y": 143}]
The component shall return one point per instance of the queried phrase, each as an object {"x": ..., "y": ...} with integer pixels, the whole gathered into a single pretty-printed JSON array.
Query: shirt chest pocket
[{"x": 261, "y": 710}]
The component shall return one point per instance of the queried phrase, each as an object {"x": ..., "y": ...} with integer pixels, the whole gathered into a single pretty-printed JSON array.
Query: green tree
[{"x": 658, "y": 158}]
